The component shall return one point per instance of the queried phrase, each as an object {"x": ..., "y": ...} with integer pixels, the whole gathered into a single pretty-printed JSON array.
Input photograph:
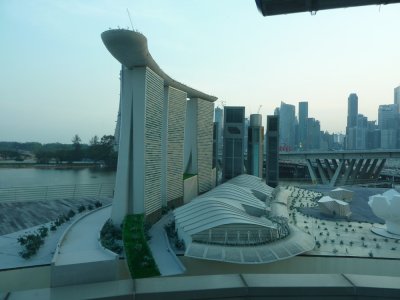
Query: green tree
[{"x": 77, "y": 152}]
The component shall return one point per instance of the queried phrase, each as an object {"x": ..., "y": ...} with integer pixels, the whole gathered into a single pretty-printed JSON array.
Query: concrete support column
[
  {"x": 371, "y": 170},
  {"x": 356, "y": 172},
  {"x": 379, "y": 169},
  {"x": 312, "y": 172},
  {"x": 321, "y": 172},
  {"x": 338, "y": 171},
  {"x": 364, "y": 169},
  {"x": 335, "y": 164},
  {"x": 329, "y": 168},
  {"x": 348, "y": 171}
]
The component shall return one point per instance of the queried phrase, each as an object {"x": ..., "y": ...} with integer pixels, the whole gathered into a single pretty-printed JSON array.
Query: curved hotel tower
[{"x": 165, "y": 131}]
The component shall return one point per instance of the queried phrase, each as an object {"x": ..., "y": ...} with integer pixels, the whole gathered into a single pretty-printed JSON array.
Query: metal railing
[{"x": 53, "y": 192}]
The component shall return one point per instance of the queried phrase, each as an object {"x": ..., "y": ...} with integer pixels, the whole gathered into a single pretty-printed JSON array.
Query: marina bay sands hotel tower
[{"x": 165, "y": 131}]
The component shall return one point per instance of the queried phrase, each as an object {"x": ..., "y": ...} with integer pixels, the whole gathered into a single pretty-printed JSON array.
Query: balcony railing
[{"x": 53, "y": 192}]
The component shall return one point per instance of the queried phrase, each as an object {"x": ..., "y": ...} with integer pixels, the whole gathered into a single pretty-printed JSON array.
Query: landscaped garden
[{"x": 138, "y": 255}]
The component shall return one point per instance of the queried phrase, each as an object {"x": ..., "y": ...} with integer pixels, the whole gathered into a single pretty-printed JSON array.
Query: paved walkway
[
  {"x": 167, "y": 262},
  {"x": 81, "y": 243}
]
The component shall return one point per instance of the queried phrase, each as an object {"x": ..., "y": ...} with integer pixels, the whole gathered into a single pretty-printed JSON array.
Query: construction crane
[{"x": 259, "y": 108}]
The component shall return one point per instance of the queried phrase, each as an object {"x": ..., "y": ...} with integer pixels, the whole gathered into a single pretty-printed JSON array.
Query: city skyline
[{"x": 58, "y": 80}]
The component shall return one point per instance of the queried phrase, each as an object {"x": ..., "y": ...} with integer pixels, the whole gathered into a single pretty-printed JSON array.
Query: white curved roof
[
  {"x": 206, "y": 213},
  {"x": 253, "y": 183},
  {"x": 228, "y": 204},
  {"x": 130, "y": 49},
  {"x": 296, "y": 243},
  {"x": 236, "y": 193}
]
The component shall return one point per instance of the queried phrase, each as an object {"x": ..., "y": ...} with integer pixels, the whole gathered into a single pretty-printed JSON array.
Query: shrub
[
  {"x": 71, "y": 213},
  {"x": 31, "y": 244},
  {"x": 90, "y": 207},
  {"x": 81, "y": 208},
  {"x": 43, "y": 231},
  {"x": 53, "y": 227},
  {"x": 111, "y": 237},
  {"x": 98, "y": 204}
]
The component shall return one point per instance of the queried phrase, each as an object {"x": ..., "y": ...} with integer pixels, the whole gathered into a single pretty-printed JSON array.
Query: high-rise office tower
[
  {"x": 397, "y": 97},
  {"x": 352, "y": 113},
  {"x": 287, "y": 126},
  {"x": 352, "y": 110},
  {"x": 233, "y": 152},
  {"x": 373, "y": 136},
  {"x": 255, "y": 145},
  {"x": 153, "y": 150},
  {"x": 272, "y": 143},
  {"x": 313, "y": 134},
  {"x": 388, "y": 122},
  {"x": 361, "y": 132},
  {"x": 303, "y": 116},
  {"x": 219, "y": 118}
]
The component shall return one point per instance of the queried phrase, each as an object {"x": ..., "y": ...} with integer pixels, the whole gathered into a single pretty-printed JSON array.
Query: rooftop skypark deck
[{"x": 130, "y": 49}]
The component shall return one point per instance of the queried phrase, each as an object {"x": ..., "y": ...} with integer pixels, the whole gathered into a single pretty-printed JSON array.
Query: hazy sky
[{"x": 57, "y": 78}]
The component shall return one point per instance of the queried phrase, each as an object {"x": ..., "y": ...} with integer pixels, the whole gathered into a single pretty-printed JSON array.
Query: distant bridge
[{"x": 343, "y": 167}]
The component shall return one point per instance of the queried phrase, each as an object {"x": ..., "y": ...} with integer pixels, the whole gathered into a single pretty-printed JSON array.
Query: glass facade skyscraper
[{"x": 233, "y": 152}]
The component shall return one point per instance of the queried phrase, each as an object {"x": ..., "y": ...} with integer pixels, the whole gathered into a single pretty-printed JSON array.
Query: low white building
[
  {"x": 341, "y": 194},
  {"x": 334, "y": 207}
]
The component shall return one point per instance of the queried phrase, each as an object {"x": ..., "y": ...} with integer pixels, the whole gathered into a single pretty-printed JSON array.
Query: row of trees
[{"x": 98, "y": 150}]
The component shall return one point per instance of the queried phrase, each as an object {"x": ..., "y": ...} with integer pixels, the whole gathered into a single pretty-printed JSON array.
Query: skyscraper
[
  {"x": 233, "y": 152},
  {"x": 255, "y": 145},
  {"x": 388, "y": 122},
  {"x": 287, "y": 126},
  {"x": 313, "y": 134},
  {"x": 361, "y": 132},
  {"x": 352, "y": 110},
  {"x": 397, "y": 97},
  {"x": 352, "y": 113},
  {"x": 303, "y": 116},
  {"x": 272, "y": 161}
]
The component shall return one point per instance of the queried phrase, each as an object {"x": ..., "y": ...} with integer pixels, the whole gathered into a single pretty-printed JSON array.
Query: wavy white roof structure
[
  {"x": 230, "y": 223},
  {"x": 130, "y": 49}
]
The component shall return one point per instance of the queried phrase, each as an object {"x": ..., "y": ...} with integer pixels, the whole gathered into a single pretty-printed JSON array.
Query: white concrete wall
[
  {"x": 190, "y": 189},
  {"x": 90, "y": 272},
  {"x": 190, "y": 143},
  {"x": 175, "y": 143},
  {"x": 152, "y": 143},
  {"x": 204, "y": 143},
  {"x": 138, "y": 179}
]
